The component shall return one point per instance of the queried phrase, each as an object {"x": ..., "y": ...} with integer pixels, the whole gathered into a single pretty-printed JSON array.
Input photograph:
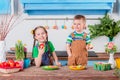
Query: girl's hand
[
  {"x": 41, "y": 50},
  {"x": 38, "y": 59},
  {"x": 41, "y": 46},
  {"x": 58, "y": 64}
]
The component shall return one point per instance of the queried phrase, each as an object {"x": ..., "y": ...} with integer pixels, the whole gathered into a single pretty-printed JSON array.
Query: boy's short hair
[{"x": 80, "y": 17}]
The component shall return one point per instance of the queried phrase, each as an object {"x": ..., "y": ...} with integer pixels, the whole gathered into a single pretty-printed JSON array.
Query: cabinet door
[{"x": 66, "y": 7}]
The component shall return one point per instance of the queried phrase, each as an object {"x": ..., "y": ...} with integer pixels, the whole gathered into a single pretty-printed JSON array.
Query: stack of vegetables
[{"x": 102, "y": 66}]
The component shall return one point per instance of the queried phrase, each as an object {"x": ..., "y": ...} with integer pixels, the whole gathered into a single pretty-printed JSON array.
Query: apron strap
[
  {"x": 72, "y": 34},
  {"x": 84, "y": 36},
  {"x": 49, "y": 54}
]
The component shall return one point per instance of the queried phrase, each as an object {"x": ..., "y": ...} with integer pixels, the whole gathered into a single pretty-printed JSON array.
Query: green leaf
[
  {"x": 107, "y": 27},
  {"x": 19, "y": 50}
]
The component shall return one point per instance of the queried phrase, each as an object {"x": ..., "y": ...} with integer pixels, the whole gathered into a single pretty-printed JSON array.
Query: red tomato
[
  {"x": 17, "y": 65},
  {"x": 2, "y": 65},
  {"x": 5, "y": 65},
  {"x": 41, "y": 46},
  {"x": 12, "y": 63}
]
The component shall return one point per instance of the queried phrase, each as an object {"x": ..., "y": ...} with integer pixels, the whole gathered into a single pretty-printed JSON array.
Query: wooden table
[{"x": 64, "y": 73}]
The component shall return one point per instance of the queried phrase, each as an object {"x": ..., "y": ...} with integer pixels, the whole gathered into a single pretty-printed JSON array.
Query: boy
[{"x": 78, "y": 43}]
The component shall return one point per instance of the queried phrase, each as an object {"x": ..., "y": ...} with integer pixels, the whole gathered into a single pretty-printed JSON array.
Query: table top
[{"x": 63, "y": 73}]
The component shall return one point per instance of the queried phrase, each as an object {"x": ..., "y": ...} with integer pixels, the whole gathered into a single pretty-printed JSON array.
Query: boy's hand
[
  {"x": 89, "y": 46},
  {"x": 69, "y": 55}
]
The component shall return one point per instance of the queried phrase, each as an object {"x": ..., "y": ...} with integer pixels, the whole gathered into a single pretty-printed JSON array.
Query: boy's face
[{"x": 78, "y": 25}]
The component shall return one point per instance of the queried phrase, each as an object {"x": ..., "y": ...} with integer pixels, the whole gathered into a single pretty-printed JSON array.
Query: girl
[{"x": 42, "y": 54}]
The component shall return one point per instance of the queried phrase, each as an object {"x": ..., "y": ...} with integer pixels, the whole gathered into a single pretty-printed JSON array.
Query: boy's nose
[{"x": 77, "y": 25}]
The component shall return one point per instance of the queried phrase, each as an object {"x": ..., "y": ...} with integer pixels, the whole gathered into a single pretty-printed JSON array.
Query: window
[{"x": 5, "y": 6}]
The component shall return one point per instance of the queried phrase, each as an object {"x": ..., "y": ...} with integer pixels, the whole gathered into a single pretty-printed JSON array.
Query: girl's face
[
  {"x": 78, "y": 25},
  {"x": 40, "y": 35}
]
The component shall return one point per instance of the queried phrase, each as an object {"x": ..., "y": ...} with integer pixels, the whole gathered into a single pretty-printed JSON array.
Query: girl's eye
[
  {"x": 43, "y": 33},
  {"x": 38, "y": 34},
  {"x": 78, "y": 24}
]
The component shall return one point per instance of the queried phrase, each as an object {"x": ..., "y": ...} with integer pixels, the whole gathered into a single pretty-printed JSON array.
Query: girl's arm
[
  {"x": 68, "y": 50},
  {"x": 56, "y": 58},
  {"x": 39, "y": 58}
]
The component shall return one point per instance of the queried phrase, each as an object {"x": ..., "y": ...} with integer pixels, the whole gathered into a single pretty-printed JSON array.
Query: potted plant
[
  {"x": 19, "y": 52},
  {"x": 7, "y": 23},
  {"x": 107, "y": 27},
  {"x": 111, "y": 49}
]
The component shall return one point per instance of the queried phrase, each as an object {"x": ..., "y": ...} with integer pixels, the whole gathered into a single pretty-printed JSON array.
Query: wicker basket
[{"x": 9, "y": 70}]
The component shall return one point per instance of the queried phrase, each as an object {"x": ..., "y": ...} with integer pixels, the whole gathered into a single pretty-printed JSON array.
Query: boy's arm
[
  {"x": 68, "y": 50},
  {"x": 88, "y": 42},
  {"x": 68, "y": 45},
  {"x": 89, "y": 46}
]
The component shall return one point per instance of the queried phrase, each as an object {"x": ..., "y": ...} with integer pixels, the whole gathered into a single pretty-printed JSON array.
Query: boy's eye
[{"x": 76, "y": 24}]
